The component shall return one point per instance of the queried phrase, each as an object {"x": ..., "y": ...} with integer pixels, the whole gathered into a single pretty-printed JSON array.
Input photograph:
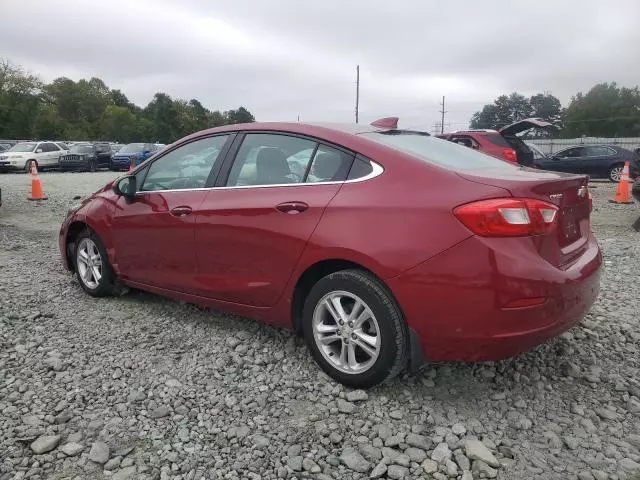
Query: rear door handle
[
  {"x": 292, "y": 208},
  {"x": 181, "y": 211}
]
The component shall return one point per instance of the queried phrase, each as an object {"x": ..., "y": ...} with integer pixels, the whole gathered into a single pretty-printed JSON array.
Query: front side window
[
  {"x": 271, "y": 159},
  {"x": 49, "y": 147},
  {"x": 186, "y": 167},
  {"x": 571, "y": 152}
]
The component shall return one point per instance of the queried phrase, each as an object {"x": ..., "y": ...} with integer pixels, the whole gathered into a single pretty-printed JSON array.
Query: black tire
[
  {"x": 27, "y": 166},
  {"x": 612, "y": 171},
  {"x": 393, "y": 354},
  {"x": 108, "y": 283}
]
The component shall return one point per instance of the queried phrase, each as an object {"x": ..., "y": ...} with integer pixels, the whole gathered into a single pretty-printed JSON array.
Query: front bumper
[
  {"x": 122, "y": 162},
  {"x": 455, "y": 301},
  {"x": 15, "y": 165}
]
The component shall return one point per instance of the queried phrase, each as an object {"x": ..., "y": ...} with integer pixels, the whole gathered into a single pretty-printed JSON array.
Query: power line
[
  {"x": 357, "y": 90},
  {"x": 443, "y": 111}
]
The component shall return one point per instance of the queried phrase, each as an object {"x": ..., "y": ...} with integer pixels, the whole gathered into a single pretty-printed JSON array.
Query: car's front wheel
[
  {"x": 27, "y": 166},
  {"x": 354, "y": 329},
  {"x": 615, "y": 173},
  {"x": 93, "y": 270}
]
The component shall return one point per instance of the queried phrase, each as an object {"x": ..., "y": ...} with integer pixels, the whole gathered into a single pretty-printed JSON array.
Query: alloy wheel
[
  {"x": 346, "y": 332},
  {"x": 89, "y": 263},
  {"x": 616, "y": 174}
]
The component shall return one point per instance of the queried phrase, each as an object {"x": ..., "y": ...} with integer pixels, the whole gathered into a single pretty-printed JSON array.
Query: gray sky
[{"x": 284, "y": 58}]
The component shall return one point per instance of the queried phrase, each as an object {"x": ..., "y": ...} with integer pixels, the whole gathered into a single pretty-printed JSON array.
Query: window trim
[
  {"x": 212, "y": 174},
  {"x": 377, "y": 170},
  {"x": 230, "y": 150}
]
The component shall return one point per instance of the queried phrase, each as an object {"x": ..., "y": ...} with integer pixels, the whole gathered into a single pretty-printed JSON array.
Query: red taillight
[
  {"x": 508, "y": 217},
  {"x": 510, "y": 155}
]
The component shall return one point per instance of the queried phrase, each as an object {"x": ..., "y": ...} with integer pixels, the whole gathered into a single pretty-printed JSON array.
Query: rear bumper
[{"x": 455, "y": 301}]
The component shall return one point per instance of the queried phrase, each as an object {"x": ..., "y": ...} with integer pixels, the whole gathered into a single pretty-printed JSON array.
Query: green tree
[
  {"x": 604, "y": 111},
  {"x": 241, "y": 115},
  {"x": 19, "y": 101},
  {"x": 164, "y": 115},
  {"x": 121, "y": 125},
  {"x": 89, "y": 110},
  {"x": 509, "y": 109}
]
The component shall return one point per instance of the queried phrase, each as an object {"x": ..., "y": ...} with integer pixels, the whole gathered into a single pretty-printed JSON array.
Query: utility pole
[
  {"x": 357, "y": 90},
  {"x": 443, "y": 111}
]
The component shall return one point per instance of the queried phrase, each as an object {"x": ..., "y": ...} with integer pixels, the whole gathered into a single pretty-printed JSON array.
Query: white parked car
[{"x": 23, "y": 154}]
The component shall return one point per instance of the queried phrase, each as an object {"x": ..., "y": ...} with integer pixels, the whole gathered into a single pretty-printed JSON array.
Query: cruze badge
[{"x": 556, "y": 196}]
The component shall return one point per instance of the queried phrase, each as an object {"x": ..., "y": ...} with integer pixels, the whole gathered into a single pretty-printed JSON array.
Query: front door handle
[
  {"x": 292, "y": 208},
  {"x": 181, "y": 211}
]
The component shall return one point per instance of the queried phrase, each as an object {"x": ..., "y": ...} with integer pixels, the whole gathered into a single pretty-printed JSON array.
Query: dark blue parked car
[
  {"x": 132, "y": 154},
  {"x": 603, "y": 161}
]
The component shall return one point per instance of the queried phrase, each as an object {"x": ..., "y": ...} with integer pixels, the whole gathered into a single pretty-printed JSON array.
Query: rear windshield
[{"x": 437, "y": 151}]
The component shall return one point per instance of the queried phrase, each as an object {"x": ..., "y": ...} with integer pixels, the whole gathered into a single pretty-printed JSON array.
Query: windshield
[
  {"x": 81, "y": 149},
  {"x": 437, "y": 151},
  {"x": 132, "y": 148},
  {"x": 23, "y": 147}
]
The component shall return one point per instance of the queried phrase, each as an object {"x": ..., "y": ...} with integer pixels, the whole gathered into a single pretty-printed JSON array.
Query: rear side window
[
  {"x": 329, "y": 165},
  {"x": 438, "y": 152},
  {"x": 361, "y": 168},
  {"x": 599, "y": 151},
  {"x": 497, "y": 139},
  {"x": 271, "y": 159}
]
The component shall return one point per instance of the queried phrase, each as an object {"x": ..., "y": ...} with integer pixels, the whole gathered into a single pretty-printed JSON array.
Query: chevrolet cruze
[{"x": 383, "y": 247}]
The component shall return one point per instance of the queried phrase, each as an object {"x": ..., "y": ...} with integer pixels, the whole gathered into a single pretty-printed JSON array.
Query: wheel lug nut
[
  {"x": 353, "y": 335},
  {"x": 351, "y": 324},
  {"x": 340, "y": 322}
]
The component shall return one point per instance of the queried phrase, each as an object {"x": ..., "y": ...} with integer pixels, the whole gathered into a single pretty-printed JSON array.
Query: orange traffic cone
[
  {"x": 36, "y": 187},
  {"x": 622, "y": 194}
]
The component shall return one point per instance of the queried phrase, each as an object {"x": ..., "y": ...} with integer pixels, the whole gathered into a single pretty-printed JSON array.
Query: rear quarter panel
[{"x": 397, "y": 220}]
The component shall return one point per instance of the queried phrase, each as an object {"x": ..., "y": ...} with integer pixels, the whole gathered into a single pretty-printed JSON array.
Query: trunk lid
[
  {"x": 568, "y": 192},
  {"x": 523, "y": 125}
]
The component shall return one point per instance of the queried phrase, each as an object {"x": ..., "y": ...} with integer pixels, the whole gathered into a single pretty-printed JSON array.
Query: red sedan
[{"x": 383, "y": 247}]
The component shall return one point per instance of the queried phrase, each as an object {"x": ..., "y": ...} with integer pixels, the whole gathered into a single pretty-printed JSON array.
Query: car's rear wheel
[
  {"x": 615, "y": 173},
  {"x": 354, "y": 329},
  {"x": 93, "y": 270}
]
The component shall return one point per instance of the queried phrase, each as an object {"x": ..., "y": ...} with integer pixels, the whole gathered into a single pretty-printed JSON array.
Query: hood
[
  {"x": 14, "y": 154},
  {"x": 525, "y": 124}
]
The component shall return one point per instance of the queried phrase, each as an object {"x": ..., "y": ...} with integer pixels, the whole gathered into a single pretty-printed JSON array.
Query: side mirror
[
  {"x": 38, "y": 150},
  {"x": 126, "y": 187}
]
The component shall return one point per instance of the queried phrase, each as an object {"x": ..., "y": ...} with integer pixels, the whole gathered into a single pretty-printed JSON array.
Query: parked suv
[
  {"x": 501, "y": 143},
  {"x": 132, "y": 154},
  {"x": 86, "y": 156},
  {"x": 22, "y": 155}
]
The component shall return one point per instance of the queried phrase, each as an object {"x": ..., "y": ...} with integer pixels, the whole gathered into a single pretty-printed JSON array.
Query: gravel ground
[{"x": 141, "y": 387}]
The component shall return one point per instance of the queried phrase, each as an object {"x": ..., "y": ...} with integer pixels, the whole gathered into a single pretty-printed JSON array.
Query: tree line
[
  {"x": 606, "y": 110},
  {"x": 89, "y": 110}
]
